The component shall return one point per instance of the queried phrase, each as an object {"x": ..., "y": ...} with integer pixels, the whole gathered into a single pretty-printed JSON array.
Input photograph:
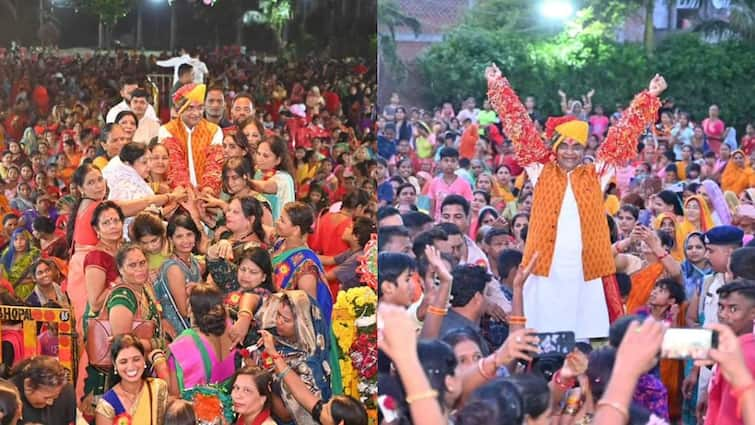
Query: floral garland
[
  {"x": 354, "y": 325},
  {"x": 367, "y": 268},
  {"x": 210, "y": 403}
]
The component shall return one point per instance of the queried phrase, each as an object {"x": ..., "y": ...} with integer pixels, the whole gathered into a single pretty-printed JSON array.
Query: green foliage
[
  {"x": 390, "y": 17},
  {"x": 739, "y": 25},
  {"x": 698, "y": 73},
  {"x": 110, "y": 11}
]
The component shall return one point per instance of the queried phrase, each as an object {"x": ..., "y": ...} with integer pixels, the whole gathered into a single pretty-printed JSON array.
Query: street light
[{"x": 556, "y": 9}]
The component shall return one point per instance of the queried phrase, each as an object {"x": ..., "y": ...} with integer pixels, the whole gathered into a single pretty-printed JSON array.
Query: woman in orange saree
[
  {"x": 667, "y": 222},
  {"x": 736, "y": 174},
  {"x": 659, "y": 264}
]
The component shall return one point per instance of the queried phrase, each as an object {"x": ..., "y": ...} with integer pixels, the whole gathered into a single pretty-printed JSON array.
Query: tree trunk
[
  {"x": 239, "y": 31},
  {"x": 173, "y": 25},
  {"x": 100, "y": 35},
  {"x": 649, "y": 38},
  {"x": 139, "y": 13}
]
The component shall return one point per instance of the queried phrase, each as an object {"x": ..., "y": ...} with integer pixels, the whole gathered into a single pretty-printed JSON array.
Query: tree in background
[
  {"x": 739, "y": 25},
  {"x": 108, "y": 12},
  {"x": 390, "y": 17}
]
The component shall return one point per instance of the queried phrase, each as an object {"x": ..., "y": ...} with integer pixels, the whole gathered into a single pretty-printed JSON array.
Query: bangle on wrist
[
  {"x": 425, "y": 395},
  {"x": 283, "y": 373},
  {"x": 615, "y": 406},
  {"x": 437, "y": 310},
  {"x": 245, "y": 311},
  {"x": 517, "y": 320}
]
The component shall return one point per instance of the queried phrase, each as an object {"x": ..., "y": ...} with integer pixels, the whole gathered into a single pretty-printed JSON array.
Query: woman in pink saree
[{"x": 204, "y": 354}]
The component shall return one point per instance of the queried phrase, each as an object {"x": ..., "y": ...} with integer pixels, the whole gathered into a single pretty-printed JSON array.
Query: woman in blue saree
[
  {"x": 695, "y": 268},
  {"x": 303, "y": 339},
  {"x": 295, "y": 266}
]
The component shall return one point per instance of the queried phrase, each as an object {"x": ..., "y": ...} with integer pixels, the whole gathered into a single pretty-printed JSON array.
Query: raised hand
[
  {"x": 657, "y": 85},
  {"x": 520, "y": 345},
  {"x": 561, "y": 93},
  {"x": 729, "y": 357},
  {"x": 523, "y": 272},
  {"x": 590, "y": 93},
  {"x": 396, "y": 332},
  {"x": 641, "y": 344},
  {"x": 575, "y": 365},
  {"x": 492, "y": 72}
]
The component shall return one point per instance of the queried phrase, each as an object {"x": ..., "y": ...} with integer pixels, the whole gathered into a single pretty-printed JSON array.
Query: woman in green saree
[{"x": 16, "y": 262}]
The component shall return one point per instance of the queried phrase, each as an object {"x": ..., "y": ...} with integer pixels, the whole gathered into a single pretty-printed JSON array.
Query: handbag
[{"x": 100, "y": 333}]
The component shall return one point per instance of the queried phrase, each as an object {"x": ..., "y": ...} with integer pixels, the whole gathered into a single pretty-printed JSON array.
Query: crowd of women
[
  {"x": 453, "y": 222},
  {"x": 191, "y": 305}
]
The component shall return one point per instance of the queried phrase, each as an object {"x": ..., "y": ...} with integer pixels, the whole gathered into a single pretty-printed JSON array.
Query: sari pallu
[
  {"x": 162, "y": 292},
  {"x": 149, "y": 408},
  {"x": 290, "y": 265},
  {"x": 195, "y": 364},
  {"x": 308, "y": 354}
]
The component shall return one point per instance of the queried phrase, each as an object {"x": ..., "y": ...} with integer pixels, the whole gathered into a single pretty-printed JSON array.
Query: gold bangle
[
  {"x": 245, "y": 311},
  {"x": 437, "y": 310},
  {"x": 615, "y": 406},
  {"x": 422, "y": 396}
]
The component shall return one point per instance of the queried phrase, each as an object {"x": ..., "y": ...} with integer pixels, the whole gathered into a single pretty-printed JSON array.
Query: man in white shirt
[
  {"x": 147, "y": 128},
  {"x": 193, "y": 143},
  {"x": 128, "y": 85},
  {"x": 200, "y": 68},
  {"x": 469, "y": 112}
]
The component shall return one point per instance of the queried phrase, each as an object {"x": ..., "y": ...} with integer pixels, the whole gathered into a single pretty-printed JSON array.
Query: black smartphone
[
  {"x": 556, "y": 342},
  {"x": 688, "y": 343}
]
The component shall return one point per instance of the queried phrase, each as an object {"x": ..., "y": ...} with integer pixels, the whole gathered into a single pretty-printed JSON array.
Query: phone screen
[
  {"x": 684, "y": 343},
  {"x": 556, "y": 342}
]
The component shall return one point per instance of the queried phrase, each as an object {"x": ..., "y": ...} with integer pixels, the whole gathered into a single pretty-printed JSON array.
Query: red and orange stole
[
  {"x": 208, "y": 158},
  {"x": 619, "y": 146}
]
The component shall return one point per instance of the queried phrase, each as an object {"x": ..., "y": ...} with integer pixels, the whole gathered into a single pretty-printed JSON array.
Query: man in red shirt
[{"x": 736, "y": 309}]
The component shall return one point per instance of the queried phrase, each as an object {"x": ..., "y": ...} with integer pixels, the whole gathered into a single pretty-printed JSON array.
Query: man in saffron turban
[
  {"x": 195, "y": 145},
  {"x": 568, "y": 227}
]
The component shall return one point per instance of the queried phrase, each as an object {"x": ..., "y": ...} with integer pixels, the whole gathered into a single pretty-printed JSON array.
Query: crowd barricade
[{"x": 32, "y": 317}]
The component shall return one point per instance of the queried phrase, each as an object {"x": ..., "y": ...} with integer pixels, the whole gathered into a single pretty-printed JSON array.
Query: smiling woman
[{"x": 135, "y": 398}]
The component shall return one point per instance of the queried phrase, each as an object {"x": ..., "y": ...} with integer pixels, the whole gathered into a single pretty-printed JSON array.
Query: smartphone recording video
[
  {"x": 683, "y": 343},
  {"x": 556, "y": 342}
]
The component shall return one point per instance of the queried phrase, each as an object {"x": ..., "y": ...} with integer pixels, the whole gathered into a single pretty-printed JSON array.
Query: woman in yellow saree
[
  {"x": 736, "y": 175},
  {"x": 697, "y": 217},
  {"x": 666, "y": 222},
  {"x": 135, "y": 399}
]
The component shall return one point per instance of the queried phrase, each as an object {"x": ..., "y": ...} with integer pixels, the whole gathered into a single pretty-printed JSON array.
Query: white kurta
[{"x": 564, "y": 301}]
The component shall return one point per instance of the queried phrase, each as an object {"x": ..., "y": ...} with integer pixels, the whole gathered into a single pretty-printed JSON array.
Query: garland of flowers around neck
[
  {"x": 367, "y": 268},
  {"x": 355, "y": 327}
]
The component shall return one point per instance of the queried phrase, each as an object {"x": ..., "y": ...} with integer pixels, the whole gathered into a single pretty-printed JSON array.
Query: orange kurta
[
  {"x": 208, "y": 158},
  {"x": 597, "y": 258}
]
